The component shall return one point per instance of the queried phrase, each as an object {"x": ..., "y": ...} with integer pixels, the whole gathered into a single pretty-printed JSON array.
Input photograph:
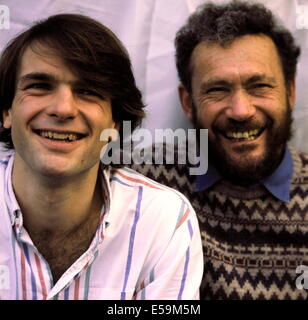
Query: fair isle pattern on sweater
[{"x": 252, "y": 242}]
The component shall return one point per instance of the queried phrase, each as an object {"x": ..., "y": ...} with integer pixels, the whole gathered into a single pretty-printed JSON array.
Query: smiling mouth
[
  {"x": 238, "y": 136},
  {"x": 60, "y": 136}
]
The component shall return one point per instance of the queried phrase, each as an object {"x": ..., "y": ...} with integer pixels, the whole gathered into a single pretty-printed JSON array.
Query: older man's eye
[
  {"x": 260, "y": 88},
  {"x": 262, "y": 85},
  {"x": 216, "y": 90}
]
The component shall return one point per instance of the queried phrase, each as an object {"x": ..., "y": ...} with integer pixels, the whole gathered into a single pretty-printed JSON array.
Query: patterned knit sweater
[{"x": 252, "y": 241}]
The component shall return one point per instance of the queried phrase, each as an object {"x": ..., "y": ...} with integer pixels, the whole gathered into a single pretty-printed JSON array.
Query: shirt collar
[
  {"x": 12, "y": 204},
  {"x": 107, "y": 194},
  {"x": 278, "y": 183},
  {"x": 14, "y": 208}
]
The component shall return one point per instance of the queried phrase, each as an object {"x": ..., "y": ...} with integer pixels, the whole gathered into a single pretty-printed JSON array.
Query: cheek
[
  {"x": 19, "y": 119},
  {"x": 16, "y": 125},
  {"x": 280, "y": 118},
  {"x": 206, "y": 117},
  {"x": 102, "y": 126},
  {"x": 275, "y": 110},
  {"x": 23, "y": 109}
]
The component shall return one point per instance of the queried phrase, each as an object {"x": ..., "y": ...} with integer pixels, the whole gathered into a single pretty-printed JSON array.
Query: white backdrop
[{"x": 147, "y": 29}]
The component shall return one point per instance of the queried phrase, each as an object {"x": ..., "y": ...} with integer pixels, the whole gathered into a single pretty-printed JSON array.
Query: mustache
[{"x": 241, "y": 126}]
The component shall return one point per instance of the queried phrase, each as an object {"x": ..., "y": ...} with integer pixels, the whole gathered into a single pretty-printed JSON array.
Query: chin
[
  {"x": 248, "y": 158},
  {"x": 54, "y": 173},
  {"x": 54, "y": 167}
]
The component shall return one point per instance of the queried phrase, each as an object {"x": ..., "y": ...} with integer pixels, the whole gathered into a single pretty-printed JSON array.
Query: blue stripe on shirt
[
  {"x": 15, "y": 264},
  {"x": 131, "y": 242},
  {"x": 66, "y": 293},
  {"x": 184, "y": 275},
  {"x": 33, "y": 283},
  {"x": 186, "y": 263}
]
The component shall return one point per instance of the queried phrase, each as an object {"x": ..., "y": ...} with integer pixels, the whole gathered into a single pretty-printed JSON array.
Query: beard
[{"x": 249, "y": 171}]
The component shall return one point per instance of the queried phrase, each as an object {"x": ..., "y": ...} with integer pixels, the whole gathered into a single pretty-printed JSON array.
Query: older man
[{"x": 237, "y": 70}]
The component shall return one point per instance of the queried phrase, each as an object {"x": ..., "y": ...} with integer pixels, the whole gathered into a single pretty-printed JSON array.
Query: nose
[
  {"x": 240, "y": 106},
  {"x": 62, "y": 105}
]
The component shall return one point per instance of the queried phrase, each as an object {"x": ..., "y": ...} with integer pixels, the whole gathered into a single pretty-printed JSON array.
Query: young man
[
  {"x": 71, "y": 228},
  {"x": 237, "y": 69}
]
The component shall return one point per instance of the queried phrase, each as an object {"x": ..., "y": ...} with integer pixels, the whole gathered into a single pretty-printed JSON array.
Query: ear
[
  {"x": 7, "y": 121},
  {"x": 291, "y": 91},
  {"x": 186, "y": 101},
  {"x": 117, "y": 126}
]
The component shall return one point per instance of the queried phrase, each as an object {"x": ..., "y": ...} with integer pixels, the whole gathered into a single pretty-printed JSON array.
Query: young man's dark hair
[
  {"x": 90, "y": 49},
  {"x": 222, "y": 24}
]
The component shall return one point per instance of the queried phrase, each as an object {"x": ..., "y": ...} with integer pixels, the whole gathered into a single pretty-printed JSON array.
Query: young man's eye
[
  {"x": 39, "y": 86},
  {"x": 90, "y": 93}
]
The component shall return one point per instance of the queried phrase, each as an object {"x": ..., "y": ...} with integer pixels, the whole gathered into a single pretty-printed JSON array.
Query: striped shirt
[{"x": 147, "y": 246}]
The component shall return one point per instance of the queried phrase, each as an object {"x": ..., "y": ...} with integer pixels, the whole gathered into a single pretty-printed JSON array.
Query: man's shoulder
[
  {"x": 134, "y": 180},
  {"x": 300, "y": 166},
  {"x": 4, "y": 159},
  {"x": 170, "y": 166},
  {"x": 304, "y": 158},
  {"x": 300, "y": 163}
]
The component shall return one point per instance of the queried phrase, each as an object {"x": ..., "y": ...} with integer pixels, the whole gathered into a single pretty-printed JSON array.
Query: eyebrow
[
  {"x": 47, "y": 77},
  {"x": 40, "y": 76},
  {"x": 261, "y": 77},
  {"x": 223, "y": 82}
]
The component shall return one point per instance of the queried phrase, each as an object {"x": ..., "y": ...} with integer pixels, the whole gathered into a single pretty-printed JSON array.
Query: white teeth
[
  {"x": 58, "y": 136},
  {"x": 246, "y": 135}
]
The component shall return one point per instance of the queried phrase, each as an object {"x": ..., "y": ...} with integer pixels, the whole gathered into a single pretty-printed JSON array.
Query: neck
[{"x": 56, "y": 205}]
